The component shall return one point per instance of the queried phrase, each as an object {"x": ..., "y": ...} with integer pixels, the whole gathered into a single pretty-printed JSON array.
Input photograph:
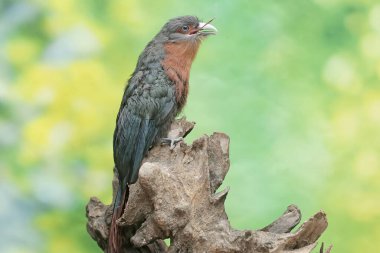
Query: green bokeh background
[{"x": 295, "y": 84}]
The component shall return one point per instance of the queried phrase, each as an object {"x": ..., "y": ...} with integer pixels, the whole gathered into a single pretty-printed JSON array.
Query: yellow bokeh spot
[
  {"x": 65, "y": 7},
  {"x": 38, "y": 82},
  {"x": 62, "y": 245},
  {"x": 346, "y": 126},
  {"x": 21, "y": 51},
  {"x": 129, "y": 13},
  {"x": 372, "y": 107},
  {"x": 367, "y": 165},
  {"x": 370, "y": 46},
  {"x": 80, "y": 105},
  {"x": 62, "y": 16},
  {"x": 37, "y": 140},
  {"x": 363, "y": 206}
]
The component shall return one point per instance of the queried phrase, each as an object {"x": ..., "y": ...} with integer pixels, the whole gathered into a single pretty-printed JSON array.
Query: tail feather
[
  {"x": 145, "y": 138},
  {"x": 115, "y": 238}
]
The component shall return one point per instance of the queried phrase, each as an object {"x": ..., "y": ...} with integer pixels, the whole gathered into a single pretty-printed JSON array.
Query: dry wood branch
[{"x": 175, "y": 197}]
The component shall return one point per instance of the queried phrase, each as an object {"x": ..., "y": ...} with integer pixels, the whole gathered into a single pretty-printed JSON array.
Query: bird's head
[
  {"x": 186, "y": 29},
  {"x": 176, "y": 43}
]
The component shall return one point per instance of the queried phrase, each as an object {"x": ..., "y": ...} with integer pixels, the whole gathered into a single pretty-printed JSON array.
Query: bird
[{"x": 154, "y": 95}]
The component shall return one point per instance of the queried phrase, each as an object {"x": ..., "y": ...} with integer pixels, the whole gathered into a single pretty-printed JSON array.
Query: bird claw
[{"x": 171, "y": 141}]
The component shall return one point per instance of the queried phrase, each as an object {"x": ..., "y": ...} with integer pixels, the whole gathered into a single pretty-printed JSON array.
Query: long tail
[{"x": 115, "y": 238}]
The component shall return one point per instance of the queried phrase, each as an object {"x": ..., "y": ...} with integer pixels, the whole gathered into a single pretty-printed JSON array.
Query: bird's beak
[{"x": 207, "y": 29}]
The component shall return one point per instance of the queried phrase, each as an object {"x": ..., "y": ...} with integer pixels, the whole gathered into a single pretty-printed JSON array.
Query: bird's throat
[{"x": 177, "y": 63}]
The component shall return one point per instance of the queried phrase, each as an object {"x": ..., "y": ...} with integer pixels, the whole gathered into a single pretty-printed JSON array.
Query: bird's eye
[{"x": 185, "y": 28}]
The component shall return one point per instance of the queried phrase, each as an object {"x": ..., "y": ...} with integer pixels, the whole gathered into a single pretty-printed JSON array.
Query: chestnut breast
[{"x": 177, "y": 63}]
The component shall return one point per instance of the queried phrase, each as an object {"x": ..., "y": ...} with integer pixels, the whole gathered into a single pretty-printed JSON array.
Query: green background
[{"x": 295, "y": 84}]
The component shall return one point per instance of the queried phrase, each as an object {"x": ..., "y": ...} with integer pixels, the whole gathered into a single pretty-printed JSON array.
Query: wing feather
[{"x": 138, "y": 124}]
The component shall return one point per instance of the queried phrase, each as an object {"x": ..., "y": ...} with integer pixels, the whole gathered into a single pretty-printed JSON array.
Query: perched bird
[{"x": 155, "y": 94}]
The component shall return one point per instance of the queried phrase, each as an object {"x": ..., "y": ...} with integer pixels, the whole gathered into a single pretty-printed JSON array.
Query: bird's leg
[{"x": 171, "y": 141}]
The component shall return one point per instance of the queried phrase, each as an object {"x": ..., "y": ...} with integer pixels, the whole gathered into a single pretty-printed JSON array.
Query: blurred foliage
[{"x": 296, "y": 85}]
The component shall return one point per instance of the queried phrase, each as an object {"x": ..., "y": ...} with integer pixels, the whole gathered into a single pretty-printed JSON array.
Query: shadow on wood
[{"x": 176, "y": 197}]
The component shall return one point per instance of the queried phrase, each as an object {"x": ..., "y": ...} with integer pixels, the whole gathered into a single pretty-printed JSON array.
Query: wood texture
[{"x": 177, "y": 197}]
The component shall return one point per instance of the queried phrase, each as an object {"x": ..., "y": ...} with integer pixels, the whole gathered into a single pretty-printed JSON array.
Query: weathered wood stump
[{"x": 176, "y": 197}]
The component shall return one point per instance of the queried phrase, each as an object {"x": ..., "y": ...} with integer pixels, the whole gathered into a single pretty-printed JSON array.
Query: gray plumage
[
  {"x": 146, "y": 112},
  {"x": 149, "y": 105}
]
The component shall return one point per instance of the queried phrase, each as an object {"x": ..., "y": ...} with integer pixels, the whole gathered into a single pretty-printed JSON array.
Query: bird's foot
[{"x": 171, "y": 141}]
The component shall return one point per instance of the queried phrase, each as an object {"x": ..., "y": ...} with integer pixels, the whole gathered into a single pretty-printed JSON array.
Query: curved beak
[{"x": 207, "y": 29}]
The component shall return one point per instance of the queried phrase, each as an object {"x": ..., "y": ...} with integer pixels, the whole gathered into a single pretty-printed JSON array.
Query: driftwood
[{"x": 176, "y": 197}]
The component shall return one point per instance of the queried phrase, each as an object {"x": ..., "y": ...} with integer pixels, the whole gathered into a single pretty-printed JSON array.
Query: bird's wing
[{"x": 140, "y": 118}]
